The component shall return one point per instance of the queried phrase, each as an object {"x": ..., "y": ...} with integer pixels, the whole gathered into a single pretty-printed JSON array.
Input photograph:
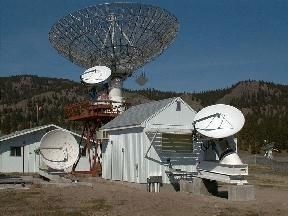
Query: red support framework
[{"x": 93, "y": 116}]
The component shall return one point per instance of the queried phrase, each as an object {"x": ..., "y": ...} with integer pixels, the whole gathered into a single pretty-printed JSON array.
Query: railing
[
  {"x": 276, "y": 166},
  {"x": 89, "y": 110}
]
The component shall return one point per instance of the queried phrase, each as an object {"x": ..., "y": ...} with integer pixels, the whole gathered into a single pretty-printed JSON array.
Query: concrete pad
[
  {"x": 199, "y": 186},
  {"x": 63, "y": 184},
  {"x": 241, "y": 192}
]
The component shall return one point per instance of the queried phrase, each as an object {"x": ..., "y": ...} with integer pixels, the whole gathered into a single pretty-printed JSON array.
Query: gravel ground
[{"x": 100, "y": 197}]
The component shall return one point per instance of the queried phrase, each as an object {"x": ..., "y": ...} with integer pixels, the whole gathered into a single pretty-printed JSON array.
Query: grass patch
[
  {"x": 267, "y": 169},
  {"x": 259, "y": 169},
  {"x": 263, "y": 181}
]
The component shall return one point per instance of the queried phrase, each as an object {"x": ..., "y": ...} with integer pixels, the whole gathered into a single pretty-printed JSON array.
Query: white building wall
[
  {"x": 123, "y": 156},
  {"x": 29, "y": 161},
  {"x": 83, "y": 164},
  {"x": 32, "y": 161},
  {"x": 172, "y": 118},
  {"x": 107, "y": 159},
  {"x": 183, "y": 161},
  {"x": 133, "y": 164},
  {"x": 10, "y": 163}
]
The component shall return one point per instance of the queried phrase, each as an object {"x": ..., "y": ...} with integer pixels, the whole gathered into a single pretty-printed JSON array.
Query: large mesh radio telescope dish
[
  {"x": 59, "y": 149},
  {"x": 121, "y": 36}
]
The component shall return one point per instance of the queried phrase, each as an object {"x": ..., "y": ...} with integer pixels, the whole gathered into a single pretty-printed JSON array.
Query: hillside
[
  {"x": 265, "y": 105},
  {"x": 265, "y": 108}
]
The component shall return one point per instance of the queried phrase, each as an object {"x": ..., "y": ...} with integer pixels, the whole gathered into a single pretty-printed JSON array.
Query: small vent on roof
[{"x": 178, "y": 106}]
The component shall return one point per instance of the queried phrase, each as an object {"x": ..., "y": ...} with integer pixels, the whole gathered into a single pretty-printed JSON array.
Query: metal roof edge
[
  {"x": 187, "y": 105},
  {"x": 27, "y": 131},
  {"x": 143, "y": 124},
  {"x": 121, "y": 128}
]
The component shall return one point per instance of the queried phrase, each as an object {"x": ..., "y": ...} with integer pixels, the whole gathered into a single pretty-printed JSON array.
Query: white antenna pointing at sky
[
  {"x": 95, "y": 75},
  {"x": 219, "y": 121}
]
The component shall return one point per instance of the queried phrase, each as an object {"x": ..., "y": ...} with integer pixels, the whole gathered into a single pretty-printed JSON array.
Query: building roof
[
  {"x": 31, "y": 130},
  {"x": 138, "y": 114}
]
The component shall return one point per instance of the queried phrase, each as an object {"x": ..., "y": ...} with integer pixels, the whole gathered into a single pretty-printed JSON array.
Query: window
[
  {"x": 178, "y": 105},
  {"x": 82, "y": 152},
  {"x": 180, "y": 143},
  {"x": 102, "y": 134},
  {"x": 105, "y": 135},
  {"x": 15, "y": 151}
]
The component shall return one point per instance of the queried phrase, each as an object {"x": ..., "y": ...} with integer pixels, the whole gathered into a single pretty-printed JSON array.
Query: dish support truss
[{"x": 93, "y": 116}]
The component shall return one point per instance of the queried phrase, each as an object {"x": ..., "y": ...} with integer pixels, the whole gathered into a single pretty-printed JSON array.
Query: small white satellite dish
[
  {"x": 95, "y": 75},
  {"x": 219, "y": 121},
  {"x": 59, "y": 149}
]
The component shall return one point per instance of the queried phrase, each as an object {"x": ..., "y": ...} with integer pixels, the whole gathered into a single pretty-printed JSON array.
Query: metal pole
[
  {"x": 122, "y": 164},
  {"x": 37, "y": 113},
  {"x": 23, "y": 166},
  {"x": 111, "y": 156},
  {"x": 255, "y": 153}
]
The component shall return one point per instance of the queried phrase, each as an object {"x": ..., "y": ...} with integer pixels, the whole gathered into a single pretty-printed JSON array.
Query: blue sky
[{"x": 220, "y": 42}]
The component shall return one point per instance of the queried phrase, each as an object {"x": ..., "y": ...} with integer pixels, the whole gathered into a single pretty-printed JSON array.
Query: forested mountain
[
  {"x": 21, "y": 96},
  {"x": 265, "y": 105}
]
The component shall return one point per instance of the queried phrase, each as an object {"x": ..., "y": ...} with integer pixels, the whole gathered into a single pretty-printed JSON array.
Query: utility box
[{"x": 153, "y": 183}]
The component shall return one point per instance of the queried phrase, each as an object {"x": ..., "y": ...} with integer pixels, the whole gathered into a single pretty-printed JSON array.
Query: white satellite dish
[
  {"x": 59, "y": 149},
  {"x": 219, "y": 121},
  {"x": 95, "y": 75}
]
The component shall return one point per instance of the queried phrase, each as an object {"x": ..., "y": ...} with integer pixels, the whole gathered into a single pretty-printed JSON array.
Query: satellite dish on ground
[
  {"x": 59, "y": 149},
  {"x": 219, "y": 121},
  {"x": 95, "y": 75}
]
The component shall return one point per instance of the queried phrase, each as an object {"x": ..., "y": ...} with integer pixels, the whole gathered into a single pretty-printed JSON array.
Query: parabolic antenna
[
  {"x": 121, "y": 36},
  {"x": 59, "y": 149},
  {"x": 95, "y": 75},
  {"x": 219, "y": 121}
]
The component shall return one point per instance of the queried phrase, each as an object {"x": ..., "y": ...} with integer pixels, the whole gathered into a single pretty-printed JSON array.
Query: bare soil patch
[{"x": 115, "y": 198}]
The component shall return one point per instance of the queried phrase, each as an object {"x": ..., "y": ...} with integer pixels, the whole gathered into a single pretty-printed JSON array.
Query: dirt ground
[{"x": 115, "y": 198}]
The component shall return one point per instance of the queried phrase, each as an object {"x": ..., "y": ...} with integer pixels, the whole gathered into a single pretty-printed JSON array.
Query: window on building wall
[
  {"x": 105, "y": 135},
  {"x": 178, "y": 105},
  {"x": 15, "y": 151},
  {"x": 179, "y": 143},
  {"x": 82, "y": 152}
]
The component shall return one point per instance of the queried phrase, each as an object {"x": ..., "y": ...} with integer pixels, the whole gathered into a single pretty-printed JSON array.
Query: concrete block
[
  {"x": 204, "y": 186},
  {"x": 173, "y": 187},
  {"x": 241, "y": 192},
  {"x": 199, "y": 186},
  {"x": 185, "y": 186}
]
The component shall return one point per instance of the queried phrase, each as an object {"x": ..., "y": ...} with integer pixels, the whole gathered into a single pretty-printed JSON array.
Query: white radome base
[{"x": 231, "y": 159}]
